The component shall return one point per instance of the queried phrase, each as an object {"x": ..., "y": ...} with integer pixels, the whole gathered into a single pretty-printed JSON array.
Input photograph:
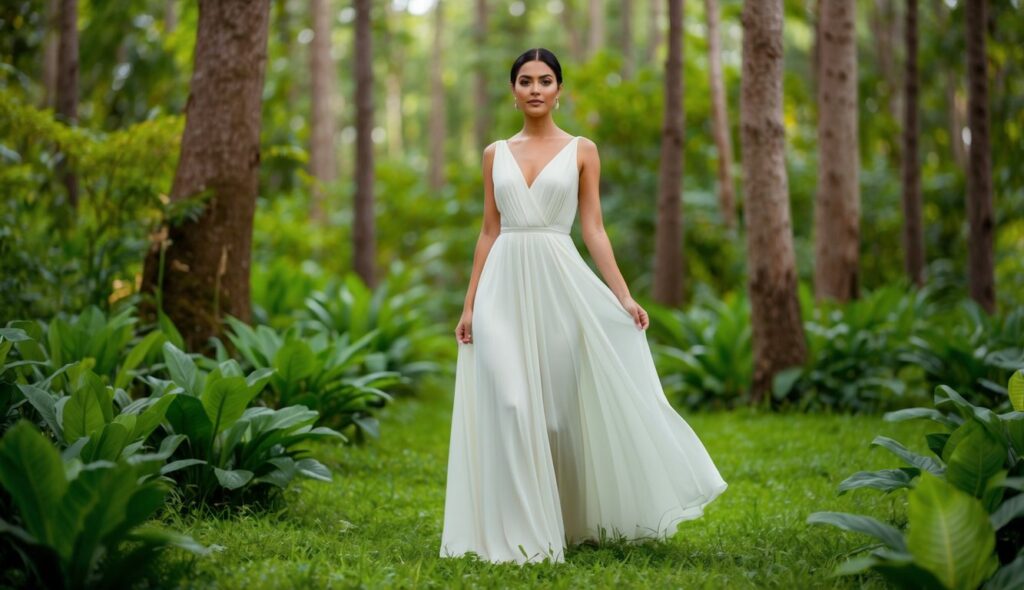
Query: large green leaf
[
  {"x": 886, "y": 480},
  {"x": 135, "y": 358},
  {"x": 225, "y": 400},
  {"x": 972, "y": 456},
  {"x": 82, "y": 415},
  {"x": 1009, "y": 577},
  {"x": 919, "y": 413},
  {"x": 32, "y": 473},
  {"x": 1007, "y": 511},
  {"x": 187, "y": 416},
  {"x": 861, "y": 524},
  {"x": 1016, "y": 390},
  {"x": 152, "y": 416},
  {"x": 919, "y": 461},
  {"x": 182, "y": 369},
  {"x": 106, "y": 444},
  {"x": 950, "y": 534},
  {"x": 232, "y": 479},
  {"x": 45, "y": 404}
]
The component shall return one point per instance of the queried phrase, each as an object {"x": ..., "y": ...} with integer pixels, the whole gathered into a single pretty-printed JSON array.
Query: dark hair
[{"x": 538, "y": 53}]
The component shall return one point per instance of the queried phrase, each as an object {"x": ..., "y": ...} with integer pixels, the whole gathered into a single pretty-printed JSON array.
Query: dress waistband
[{"x": 534, "y": 228}]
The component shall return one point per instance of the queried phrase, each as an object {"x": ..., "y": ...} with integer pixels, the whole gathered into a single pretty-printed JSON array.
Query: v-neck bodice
[{"x": 550, "y": 202}]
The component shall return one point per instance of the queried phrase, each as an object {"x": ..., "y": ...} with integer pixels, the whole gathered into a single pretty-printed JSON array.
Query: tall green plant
[
  {"x": 232, "y": 452},
  {"x": 81, "y": 525}
]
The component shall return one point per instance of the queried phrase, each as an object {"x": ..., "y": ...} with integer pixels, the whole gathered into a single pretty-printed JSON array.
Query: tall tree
[
  {"x": 67, "y": 85},
  {"x": 981, "y": 223},
  {"x": 207, "y": 261},
  {"x": 481, "y": 103},
  {"x": 653, "y": 28},
  {"x": 363, "y": 232},
  {"x": 572, "y": 31},
  {"x": 438, "y": 111},
  {"x": 837, "y": 204},
  {"x": 170, "y": 16},
  {"x": 668, "y": 239},
  {"x": 394, "y": 80},
  {"x": 626, "y": 22},
  {"x": 913, "y": 225},
  {"x": 720, "y": 122},
  {"x": 778, "y": 335},
  {"x": 321, "y": 122},
  {"x": 51, "y": 47},
  {"x": 596, "y": 30}
]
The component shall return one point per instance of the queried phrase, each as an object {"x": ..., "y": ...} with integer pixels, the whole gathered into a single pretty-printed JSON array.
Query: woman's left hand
[{"x": 639, "y": 314}]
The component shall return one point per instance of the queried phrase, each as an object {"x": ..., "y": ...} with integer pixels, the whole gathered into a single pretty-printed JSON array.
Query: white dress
[{"x": 560, "y": 429}]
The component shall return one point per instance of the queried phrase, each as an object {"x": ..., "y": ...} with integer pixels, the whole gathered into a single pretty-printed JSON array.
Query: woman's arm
[
  {"x": 591, "y": 222},
  {"x": 594, "y": 236},
  {"x": 489, "y": 231}
]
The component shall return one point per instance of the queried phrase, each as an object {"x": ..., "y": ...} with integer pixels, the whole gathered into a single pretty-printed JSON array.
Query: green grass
[{"x": 379, "y": 523}]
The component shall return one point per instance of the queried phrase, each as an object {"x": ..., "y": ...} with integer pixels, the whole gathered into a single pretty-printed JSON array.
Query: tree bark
[
  {"x": 720, "y": 123},
  {"x": 363, "y": 232},
  {"x": 439, "y": 114},
  {"x": 981, "y": 223},
  {"x": 481, "y": 103},
  {"x": 170, "y": 16},
  {"x": 67, "y": 86},
  {"x": 393, "y": 83},
  {"x": 913, "y": 225},
  {"x": 321, "y": 136},
  {"x": 653, "y": 29},
  {"x": 778, "y": 336},
  {"x": 572, "y": 31},
  {"x": 626, "y": 21},
  {"x": 668, "y": 256},
  {"x": 51, "y": 49},
  {"x": 837, "y": 206},
  {"x": 207, "y": 261},
  {"x": 597, "y": 20}
]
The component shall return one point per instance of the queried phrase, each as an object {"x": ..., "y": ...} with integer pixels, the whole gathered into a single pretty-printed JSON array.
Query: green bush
[
  {"x": 966, "y": 505},
  {"x": 323, "y": 372},
  {"x": 234, "y": 453},
  {"x": 81, "y": 525}
]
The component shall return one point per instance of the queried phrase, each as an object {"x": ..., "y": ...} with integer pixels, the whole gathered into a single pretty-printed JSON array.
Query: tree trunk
[
  {"x": 981, "y": 224},
  {"x": 67, "y": 86},
  {"x": 626, "y": 21},
  {"x": 572, "y": 31},
  {"x": 51, "y": 48},
  {"x": 439, "y": 115},
  {"x": 321, "y": 134},
  {"x": 481, "y": 79},
  {"x": 778, "y": 335},
  {"x": 837, "y": 206},
  {"x": 668, "y": 243},
  {"x": 393, "y": 82},
  {"x": 653, "y": 29},
  {"x": 207, "y": 261},
  {"x": 913, "y": 225},
  {"x": 596, "y": 27},
  {"x": 363, "y": 233},
  {"x": 720, "y": 123},
  {"x": 170, "y": 16}
]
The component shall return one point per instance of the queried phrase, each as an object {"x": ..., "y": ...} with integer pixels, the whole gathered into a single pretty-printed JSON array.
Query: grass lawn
[{"x": 379, "y": 523}]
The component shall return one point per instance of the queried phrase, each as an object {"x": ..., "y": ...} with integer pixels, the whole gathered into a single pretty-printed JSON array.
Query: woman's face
[{"x": 535, "y": 88}]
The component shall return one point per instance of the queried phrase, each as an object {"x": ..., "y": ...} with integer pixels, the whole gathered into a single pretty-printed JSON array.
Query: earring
[
  {"x": 556, "y": 102},
  {"x": 515, "y": 104}
]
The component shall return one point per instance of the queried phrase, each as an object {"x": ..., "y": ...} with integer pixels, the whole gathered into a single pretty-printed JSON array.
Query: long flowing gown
[{"x": 561, "y": 431}]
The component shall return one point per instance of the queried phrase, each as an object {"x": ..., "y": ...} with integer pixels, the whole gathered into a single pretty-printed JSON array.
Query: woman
[{"x": 561, "y": 432}]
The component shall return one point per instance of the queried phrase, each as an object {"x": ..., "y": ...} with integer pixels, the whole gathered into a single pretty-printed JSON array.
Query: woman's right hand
[{"x": 464, "y": 331}]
